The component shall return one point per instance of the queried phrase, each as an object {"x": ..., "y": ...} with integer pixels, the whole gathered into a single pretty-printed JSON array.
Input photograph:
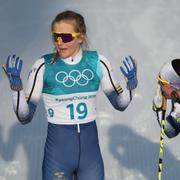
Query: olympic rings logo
[{"x": 74, "y": 77}]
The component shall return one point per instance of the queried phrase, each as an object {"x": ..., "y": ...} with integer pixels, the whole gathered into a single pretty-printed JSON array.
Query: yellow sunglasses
[
  {"x": 165, "y": 82},
  {"x": 65, "y": 37}
]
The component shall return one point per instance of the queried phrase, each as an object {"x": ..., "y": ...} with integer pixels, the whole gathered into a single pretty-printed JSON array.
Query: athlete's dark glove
[{"x": 175, "y": 96}]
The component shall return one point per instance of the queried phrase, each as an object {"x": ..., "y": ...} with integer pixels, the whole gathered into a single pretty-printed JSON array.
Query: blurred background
[{"x": 147, "y": 30}]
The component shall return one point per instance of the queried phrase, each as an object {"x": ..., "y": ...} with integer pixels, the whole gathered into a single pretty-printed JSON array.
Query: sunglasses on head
[
  {"x": 64, "y": 37},
  {"x": 165, "y": 82}
]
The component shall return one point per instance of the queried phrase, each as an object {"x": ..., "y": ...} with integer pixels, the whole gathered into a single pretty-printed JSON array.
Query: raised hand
[
  {"x": 129, "y": 70},
  {"x": 12, "y": 69}
]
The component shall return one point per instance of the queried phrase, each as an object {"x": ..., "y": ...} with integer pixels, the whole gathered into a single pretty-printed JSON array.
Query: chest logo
[{"x": 74, "y": 77}]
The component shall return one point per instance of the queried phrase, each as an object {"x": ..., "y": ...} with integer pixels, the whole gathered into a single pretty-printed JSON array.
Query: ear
[{"x": 81, "y": 38}]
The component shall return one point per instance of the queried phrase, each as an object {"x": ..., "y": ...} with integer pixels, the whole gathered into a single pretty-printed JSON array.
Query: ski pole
[
  {"x": 4, "y": 68},
  {"x": 161, "y": 148}
]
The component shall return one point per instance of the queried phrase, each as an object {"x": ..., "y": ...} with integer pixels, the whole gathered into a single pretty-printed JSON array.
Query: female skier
[{"x": 68, "y": 81}]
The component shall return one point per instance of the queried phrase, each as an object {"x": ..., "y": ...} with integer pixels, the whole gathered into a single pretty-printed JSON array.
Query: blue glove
[
  {"x": 130, "y": 72},
  {"x": 13, "y": 68}
]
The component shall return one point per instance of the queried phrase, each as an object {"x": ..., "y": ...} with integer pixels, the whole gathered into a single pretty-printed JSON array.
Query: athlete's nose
[{"x": 59, "y": 40}]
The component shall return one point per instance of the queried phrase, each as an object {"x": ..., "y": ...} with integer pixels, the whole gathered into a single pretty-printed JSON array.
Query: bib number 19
[{"x": 81, "y": 109}]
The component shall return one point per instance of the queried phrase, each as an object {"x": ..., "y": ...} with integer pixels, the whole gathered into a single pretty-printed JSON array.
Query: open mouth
[{"x": 62, "y": 49}]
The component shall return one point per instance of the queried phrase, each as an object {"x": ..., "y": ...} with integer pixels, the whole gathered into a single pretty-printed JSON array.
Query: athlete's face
[
  {"x": 68, "y": 49},
  {"x": 169, "y": 90}
]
